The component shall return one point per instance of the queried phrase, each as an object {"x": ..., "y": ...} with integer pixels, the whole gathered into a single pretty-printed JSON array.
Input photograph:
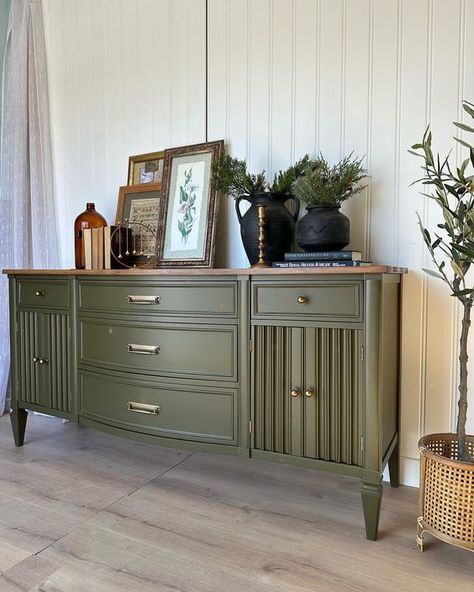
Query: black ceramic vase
[
  {"x": 279, "y": 225},
  {"x": 323, "y": 228}
]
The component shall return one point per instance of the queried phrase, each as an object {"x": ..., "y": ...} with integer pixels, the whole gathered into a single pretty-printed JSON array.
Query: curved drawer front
[
  {"x": 43, "y": 294},
  {"x": 312, "y": 300},
  {"x": 176, "y": 298},
  {"x": 195, "y": 351},
  {"x": 190, "y": 413}
]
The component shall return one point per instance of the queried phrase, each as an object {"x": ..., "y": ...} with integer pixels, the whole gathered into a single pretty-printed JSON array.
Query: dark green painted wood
[
  {"x": 371, "y": 499},
  {"x": 338, "y": 301},
  {"x": 186, "y": 297},
  {"x": 18, "y": 417},
  {"x": 394, "y": 466},
  {"x": 198, "y": 413},
  {"x": 43, "y": 293},
  {"x": 206, "y": 351}
]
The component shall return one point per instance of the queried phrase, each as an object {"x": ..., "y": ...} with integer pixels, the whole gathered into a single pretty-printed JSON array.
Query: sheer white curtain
[{"x": 27, "y": 207}]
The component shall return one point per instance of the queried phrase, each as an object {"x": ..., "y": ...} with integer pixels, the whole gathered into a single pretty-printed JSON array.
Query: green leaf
[
  {"x": 463, "y": 126},
  {"x": 468, "y": 109},
  {"x": 463, "y": 142},
  {"x": 465, "y": 292},
  {"x": 417, "y": 147},
  {"x": 457, "y": 268},
  {"x": 434, "y": 274}
]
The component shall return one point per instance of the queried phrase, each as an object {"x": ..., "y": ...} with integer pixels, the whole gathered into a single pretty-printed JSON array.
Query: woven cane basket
[{"x": 446, "y": 491}]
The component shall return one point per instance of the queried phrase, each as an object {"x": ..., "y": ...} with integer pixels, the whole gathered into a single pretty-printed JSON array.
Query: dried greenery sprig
[
  {"x": 322, "y": 183},
  {"x": 452, "y": 245},
  {"x": 230, "y": 176}
]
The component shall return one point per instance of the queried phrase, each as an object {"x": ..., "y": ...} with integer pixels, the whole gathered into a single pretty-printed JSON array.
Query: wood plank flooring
[{"x": 83, "y": 511}]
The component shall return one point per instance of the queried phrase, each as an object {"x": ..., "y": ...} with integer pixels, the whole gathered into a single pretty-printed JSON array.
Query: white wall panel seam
[
  {"x": 293, "y": 83},
  {"x": 425, "y": 259},
  {"x": 271, "y": 28},
  {"x": 396, "y": 217},
  {"x": 370, "y": 102},
  {"x": 342, "y": 125},
  {"x": 317, "y": 126}
]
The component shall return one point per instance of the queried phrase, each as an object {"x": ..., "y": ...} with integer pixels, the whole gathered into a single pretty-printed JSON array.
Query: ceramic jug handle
[
  {"x": 297, "y": 202},
  {"x": 237, "y": 206}
]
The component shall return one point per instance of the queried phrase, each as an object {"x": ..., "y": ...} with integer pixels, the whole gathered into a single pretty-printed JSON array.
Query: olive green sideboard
[{"x": 294, "y": 366}]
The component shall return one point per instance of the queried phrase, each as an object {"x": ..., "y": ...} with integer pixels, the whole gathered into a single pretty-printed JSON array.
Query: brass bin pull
[
  {"x": 309, "y": 393},
  {"x": 302, "y": 300},
  {"x": 143, "y": 299},
  {"x": 295, "y": 393},
  {"x": 143, "y": 408},
  {"x": 39, "y": 293},
  {"x": 145, "y": 350}
]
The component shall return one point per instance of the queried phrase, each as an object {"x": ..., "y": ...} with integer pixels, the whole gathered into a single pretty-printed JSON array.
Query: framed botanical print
[
  {"x": 188, "y": 210},
  {"x": 145, "y": 168},
  {"x": 138, "y": 209}
]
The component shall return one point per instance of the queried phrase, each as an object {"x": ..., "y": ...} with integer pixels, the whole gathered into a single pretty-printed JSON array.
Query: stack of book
[
  {"x": 105, "y": 247},
  {"x": 322, "y": 259}
]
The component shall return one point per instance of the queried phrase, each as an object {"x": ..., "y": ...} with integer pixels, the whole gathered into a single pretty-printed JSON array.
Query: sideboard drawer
[
  {"x": 195, "y": 351},
  {"x": 43, "y": 293},
  {"x": 167, "y": 410},
  {"x": 312, "y": 300},
  {"x": 187, "y": 298}
]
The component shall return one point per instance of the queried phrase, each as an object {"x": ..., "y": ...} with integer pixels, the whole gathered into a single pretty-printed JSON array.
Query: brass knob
[
  {"x": 41, "y": 361},
  {"x": 45, "y": 361},
  {"x": 39, "y": 293},
  {"x": 295, "y": 393},
  {"x": 309, "y": 393},
  {"x": 302, "y": 300},
  {"x": 35, "y": 359}
]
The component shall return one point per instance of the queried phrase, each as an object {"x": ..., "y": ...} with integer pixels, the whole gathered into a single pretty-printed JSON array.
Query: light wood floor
[{"x": 82, "y": 511}]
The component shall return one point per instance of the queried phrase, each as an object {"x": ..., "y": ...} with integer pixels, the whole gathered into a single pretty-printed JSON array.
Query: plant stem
[{"x": 463, "y": 359}]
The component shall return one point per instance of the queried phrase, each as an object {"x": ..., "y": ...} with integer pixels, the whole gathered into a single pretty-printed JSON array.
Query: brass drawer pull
[
  {"x": 309, "y": 393},
  {"x": 295, "y": 393},
  {"x": 39, "y": 293},
  {"x": 143, "y": 299},
  {"x": 143, "y": 408},
  {"x": 302, "y": 300},
  {"x": 146, "y": 350}
]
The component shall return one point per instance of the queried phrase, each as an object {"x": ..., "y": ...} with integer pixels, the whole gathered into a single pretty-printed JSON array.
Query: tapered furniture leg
[
  {"x": 18, "y": 418},
  {"x": 371, "y": 498},
  {"x": 394, "y": 467}
]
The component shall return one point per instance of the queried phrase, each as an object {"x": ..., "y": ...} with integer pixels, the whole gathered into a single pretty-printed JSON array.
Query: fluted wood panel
[
  {"x": 324, "y": 426},
  {"x": 44, "y": 335},
  {"x": 293, "y": 76},
  {"x": 29, "y": 347},
  {"x": 57, "y": 349}
]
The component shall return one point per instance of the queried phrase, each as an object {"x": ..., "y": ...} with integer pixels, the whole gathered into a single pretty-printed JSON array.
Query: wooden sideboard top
[{"x": 369, "y": 269}]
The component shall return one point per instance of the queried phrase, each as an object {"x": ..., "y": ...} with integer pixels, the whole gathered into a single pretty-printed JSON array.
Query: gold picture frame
[
  {"x": 145, "y": 168},
  {"x": 188, "y": 209}
]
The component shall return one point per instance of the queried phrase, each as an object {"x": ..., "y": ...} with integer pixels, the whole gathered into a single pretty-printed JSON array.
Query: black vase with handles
[
  {"x": 323, "y": 228},
  {"x": 279, "y": 225}
]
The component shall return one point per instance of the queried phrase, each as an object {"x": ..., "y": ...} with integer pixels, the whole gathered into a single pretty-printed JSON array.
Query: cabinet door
[
  {"x": 307, "y": 385},
  {"x": 43, "y": 360}
]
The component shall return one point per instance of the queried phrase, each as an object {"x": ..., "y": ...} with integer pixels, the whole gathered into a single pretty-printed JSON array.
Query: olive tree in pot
[{"x": 447, "y": 460}]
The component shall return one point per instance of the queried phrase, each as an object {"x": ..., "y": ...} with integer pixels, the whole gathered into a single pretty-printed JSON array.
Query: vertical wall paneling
[
  {"x": 284, "y": 77},
  {"x": 125, "y": 77}
]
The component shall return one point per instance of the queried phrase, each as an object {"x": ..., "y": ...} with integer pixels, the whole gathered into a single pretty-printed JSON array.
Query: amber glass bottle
[{"x": 89, "y": 218}]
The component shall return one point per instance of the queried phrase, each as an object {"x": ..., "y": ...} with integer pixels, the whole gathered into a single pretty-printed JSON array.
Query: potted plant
[
  {"x": 230, "y": 176},
  {"x": 447, "y": 463},
  {"x": 323, "y": 188}
]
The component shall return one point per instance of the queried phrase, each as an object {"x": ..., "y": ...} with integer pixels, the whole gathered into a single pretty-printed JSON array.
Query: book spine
[
  {"x": 286, "y": 264},
  {"x": 87, "y": 242},
  {"x": 322, "y": 256}
]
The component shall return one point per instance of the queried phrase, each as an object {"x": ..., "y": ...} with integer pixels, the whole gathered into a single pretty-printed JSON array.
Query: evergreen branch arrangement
[
  {"x": 231, "y": 177},
  {"x": 452, "y": 245},
  {"x": 323, "y": 184}
]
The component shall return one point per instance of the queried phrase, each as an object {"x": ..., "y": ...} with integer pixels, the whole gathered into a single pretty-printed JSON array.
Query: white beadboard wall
[
  {"x": 282, "y": 77},
  {"x": 125, "y": 77}
]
